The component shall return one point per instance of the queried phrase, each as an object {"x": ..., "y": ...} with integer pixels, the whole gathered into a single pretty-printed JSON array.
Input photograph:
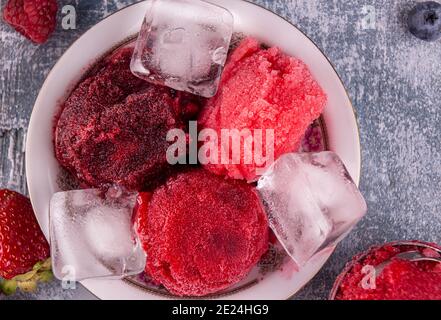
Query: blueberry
[{"x": 425, "y": 21}]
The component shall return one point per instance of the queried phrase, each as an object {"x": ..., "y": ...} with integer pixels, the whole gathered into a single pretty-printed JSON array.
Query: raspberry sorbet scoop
[
  {"x": 262, "y": 89},
  {"x": 35, "y": 19},
  {"x": 201, "y": 232},
  {"x": 113, "y": 127},
  {"x": 400, "y": 279}
]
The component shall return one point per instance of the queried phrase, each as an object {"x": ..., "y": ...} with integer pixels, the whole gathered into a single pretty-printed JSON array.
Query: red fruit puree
[
  {"x": 112, "y": 128},
  {"x": 201, "y": 232},
  {"x": 263, "y": 89},
  {"x": 400, "y": 279}
]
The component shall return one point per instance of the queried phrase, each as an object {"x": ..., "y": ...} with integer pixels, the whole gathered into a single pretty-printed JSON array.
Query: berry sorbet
[
  {"x": 262, "y": 89},
  {"x": 202, "y": 233},
  {"x": 112, "y": 128},
  {"x": 399, "y": 280}
]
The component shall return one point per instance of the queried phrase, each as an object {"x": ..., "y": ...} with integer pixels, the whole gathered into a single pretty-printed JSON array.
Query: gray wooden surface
[{"x": 394, "y": 81}]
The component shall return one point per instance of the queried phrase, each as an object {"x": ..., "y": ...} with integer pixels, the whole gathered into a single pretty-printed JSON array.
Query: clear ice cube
[
  {"x": 311, "y": 201},
  {"x": 92, "y": 235},
  {"x": 183, "y": 44}
]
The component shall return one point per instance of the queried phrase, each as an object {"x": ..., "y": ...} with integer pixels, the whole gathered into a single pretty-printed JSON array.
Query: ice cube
[
  {"x": 311, "y": 201},
  {"x": 92, "y": 236},
  {"x": 183, "y": 44}
]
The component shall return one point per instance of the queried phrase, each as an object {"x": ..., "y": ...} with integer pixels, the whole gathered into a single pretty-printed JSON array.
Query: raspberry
[{"x": 35, "y": 19}]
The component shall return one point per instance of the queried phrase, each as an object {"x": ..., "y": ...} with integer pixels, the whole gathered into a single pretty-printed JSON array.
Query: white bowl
[{"x": 42, "y": 167}]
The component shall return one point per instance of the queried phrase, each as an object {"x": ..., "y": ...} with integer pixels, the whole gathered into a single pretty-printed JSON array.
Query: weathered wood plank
[{"x": 392, "y": 78}]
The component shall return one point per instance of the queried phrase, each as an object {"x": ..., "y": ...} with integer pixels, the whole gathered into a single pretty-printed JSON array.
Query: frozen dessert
[
  {"x": 112, "y": 128},
  {"x": 202, "y": 233},
  {"x": 203, "y": 228},
  {"x": 262, "y": 89},
  {"x": 399, "y": 280}
]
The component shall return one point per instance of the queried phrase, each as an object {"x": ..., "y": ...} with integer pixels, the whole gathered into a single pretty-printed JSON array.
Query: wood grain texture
[{"x": 393, "y": 80}]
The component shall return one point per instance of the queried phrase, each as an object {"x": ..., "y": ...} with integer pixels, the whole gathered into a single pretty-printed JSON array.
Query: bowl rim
[{"x": 34, "y": 110}]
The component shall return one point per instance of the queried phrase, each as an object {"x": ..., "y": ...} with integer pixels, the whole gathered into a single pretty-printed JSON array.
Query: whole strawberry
[
  {"x": 24, "y": 251},
  {"x": 35, "y": 19}
]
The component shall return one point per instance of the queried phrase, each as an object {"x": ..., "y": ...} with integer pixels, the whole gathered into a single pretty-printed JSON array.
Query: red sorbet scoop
[
  {"x": 113, "y": 127},
  {"x": 261, "y": 89},
  {"x": 202, "y": 233}
]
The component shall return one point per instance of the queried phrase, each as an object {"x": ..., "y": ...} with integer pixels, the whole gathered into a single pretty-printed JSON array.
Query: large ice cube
[
  {"x": 183, "y": 44},
  {"x": 311, "y": 201},
  {"x": 92, "y": 236}
]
